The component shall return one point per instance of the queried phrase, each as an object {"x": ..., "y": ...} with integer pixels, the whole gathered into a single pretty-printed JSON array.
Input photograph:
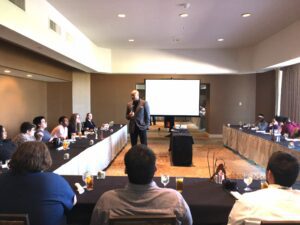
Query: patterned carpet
[{"x": 235, "y": 165}]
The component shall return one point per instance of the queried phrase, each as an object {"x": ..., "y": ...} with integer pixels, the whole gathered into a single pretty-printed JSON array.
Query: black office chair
[
  {"x": 14, "y": 219},
  {"x": 143, "y": 220}
]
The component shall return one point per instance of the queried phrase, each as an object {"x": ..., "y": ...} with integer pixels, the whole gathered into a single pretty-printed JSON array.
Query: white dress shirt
[
  {"x": 273, "y": 203},
  {"x": 141, "y": 200},
  {"x": 60, "y": 131}
]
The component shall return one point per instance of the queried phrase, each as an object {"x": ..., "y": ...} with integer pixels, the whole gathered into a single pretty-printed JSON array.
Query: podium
[{"x": 181, "y": 147}]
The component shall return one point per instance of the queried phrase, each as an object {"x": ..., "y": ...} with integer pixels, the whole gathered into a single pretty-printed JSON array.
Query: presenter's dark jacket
[{"x": 141, "y": 115}]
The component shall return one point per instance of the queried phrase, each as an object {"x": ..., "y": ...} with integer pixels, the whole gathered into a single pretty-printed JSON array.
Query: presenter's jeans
[{"x": 138, "y": 133}]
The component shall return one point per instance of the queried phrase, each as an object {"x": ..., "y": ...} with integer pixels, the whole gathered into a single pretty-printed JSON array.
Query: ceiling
[{"x": 156, "y": 23}]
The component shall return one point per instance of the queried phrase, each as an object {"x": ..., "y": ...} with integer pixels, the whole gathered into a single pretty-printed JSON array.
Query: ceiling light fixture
[
  {"x": 246, "y": 15},
  {"x": 131, "y": 40},
  {"x": 183, "y": 15},
  {"x": 121, "y": 15},
  {"x": 28, "y": 75},
  {"x": 7, "y": 71},
  {"x": 220, "y": 39}
]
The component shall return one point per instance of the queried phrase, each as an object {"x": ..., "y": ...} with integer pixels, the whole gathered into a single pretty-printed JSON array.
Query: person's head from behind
[
  {"x": 64, "y": 121},
  {"x": 27, "y": 128},
  {"x": 282, "y": 169},
  {"x": 3, "y": 133},
  {"x": 140, "y": 163},
  {"x": 31, "y": 157},
  {"x": 40, "y": 122},
  {"x": 135, "y": 95}
]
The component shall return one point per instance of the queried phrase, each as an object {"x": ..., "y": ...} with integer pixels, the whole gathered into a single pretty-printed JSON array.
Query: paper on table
[
  {"x": 292, "y": 139},
  {"x": 261, "y": 131},
  {"x": 80, "y": 189},
  {"x": 236, "y": 194},
  {"x": 60, "y": 148}
]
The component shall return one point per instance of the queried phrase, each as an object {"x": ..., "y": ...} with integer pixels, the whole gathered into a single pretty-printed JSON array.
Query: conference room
[{"x": 63, "y": 57}]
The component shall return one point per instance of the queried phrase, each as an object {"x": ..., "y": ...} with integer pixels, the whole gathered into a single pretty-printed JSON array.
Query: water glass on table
[
  {"x": 248, "y": 180},
  {"x": 165, "y": 179}
]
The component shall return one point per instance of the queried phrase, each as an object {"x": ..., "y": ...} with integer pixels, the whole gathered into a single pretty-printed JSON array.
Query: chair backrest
[
  {"x": 143, "y": 220},
  {"x": 286, "y": 222},
  {"x": 14, "y": 219}
]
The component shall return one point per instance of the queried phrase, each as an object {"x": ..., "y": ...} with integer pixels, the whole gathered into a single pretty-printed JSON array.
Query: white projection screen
[{"x": 168, "y": 97}]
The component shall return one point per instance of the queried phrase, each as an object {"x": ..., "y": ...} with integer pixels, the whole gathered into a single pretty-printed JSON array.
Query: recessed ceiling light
[
  {"x": 220, "y": 39},
  {"x": 131, "y": 40},
  {"x": 28, "y": 75},
  {"x": 246, "y": 15},
  {"x": 7, "y": 71},
  {"x": 121, "y": 15},
  {"x": 183, "y": 15}
]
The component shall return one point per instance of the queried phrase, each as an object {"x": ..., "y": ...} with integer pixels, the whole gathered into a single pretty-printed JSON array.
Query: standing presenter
[{"x": 138, "y": 114}]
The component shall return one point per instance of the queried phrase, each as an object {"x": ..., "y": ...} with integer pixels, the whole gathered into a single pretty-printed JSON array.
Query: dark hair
[
  {"x": 140, "y": 164},
  {"x": 38, "y": 120},
  {"x": 284, "y": 167},
  {"x": 61, "y": 119},
  {"x": 26, "y": 126},
  {"x": 73, "y": 123},
  {"x": 1, "y": 132},
  {"x": 86, "y": 117},
  {"x": 31, "y": 156}
]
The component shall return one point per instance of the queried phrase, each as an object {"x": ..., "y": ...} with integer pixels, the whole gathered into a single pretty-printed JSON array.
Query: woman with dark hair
[
  {"x": 27, "y": 130},
  {"x": 74, "y": 124},
  {"x": 26, "y": 188},
  {"x": 89, "y": 123},
  {"x": 7, "y": 147}
]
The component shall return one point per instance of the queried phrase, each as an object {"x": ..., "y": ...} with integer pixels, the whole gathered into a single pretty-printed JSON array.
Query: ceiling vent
[
  {"x": 19, "y": 3},
  {"x": 54, "y": 26}
]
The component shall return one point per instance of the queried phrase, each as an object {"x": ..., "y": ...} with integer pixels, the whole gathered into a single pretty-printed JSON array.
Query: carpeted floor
[{"x": 235, "y": 165}]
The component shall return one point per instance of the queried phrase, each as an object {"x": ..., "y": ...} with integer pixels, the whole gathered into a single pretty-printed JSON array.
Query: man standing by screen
[{"x": 138, "y": 114}]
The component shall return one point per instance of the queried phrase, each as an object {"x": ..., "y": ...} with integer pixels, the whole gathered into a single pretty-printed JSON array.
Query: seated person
[
  {"x": 74, "y": 125},
  {"x": 41, "y": 134},
  {"x": 27, "y": 188},
  {"x": 273, "y": 126},
  {"x": 261, "y": 123},
  {"x": 141, "y": 196},
  {"x": 291, "y": 128},
  {"x": 61, "y": 130},
  {"x": 7, "y": 147},
  {"x": 277, "y": 202},
  {"x": 27, "y": 130},
  {"x": 89, "y": 123}
]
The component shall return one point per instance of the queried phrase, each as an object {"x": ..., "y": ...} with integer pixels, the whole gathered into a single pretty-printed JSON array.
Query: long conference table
[
  {"x": 256, "y": 146},
  {"x": 209, "y": 202},
  {"x": 85, "y": 156}
]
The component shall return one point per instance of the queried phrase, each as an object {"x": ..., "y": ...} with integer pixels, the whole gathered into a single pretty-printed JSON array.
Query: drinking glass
[
  {"x": 165, "y": 179},
  {"x": 248, "y": 180},
  {"x": 179, "y": 184},
  {"x": 66, "y": 144},
  {"x": 88, "y": 179}
]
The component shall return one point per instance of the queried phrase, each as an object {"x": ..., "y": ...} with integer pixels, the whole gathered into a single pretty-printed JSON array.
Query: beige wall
[
  {"x": 110, "y": 93},
  {"x": 21, "y": 100},
  {"x": 59, "y": 101},
  {"x": 265, "y": 94}
]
